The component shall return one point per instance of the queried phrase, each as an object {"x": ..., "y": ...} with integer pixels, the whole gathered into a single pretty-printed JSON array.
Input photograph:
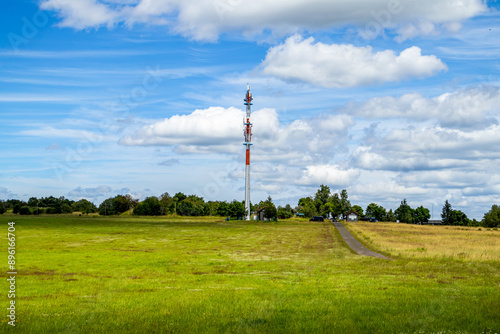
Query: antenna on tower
[{"x": 247, "y": 130}]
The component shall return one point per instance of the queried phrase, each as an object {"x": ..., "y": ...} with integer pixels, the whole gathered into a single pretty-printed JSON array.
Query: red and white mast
[{"x": 247, "y": 130}]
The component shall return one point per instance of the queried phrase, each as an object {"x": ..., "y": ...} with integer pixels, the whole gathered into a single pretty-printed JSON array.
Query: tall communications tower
[{"x": 247, "y": 130}]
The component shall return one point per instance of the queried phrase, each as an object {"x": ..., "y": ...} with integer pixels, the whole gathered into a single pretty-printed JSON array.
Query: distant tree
[
  {"x": 179, "y": 197},
  {"x": 404, "y": 213},
  {"x": 24, "y": 210},
  {"x": 237, "y": 209},
  {"x": 321, "y": 197},
  {"x": 50, "y": 202},
  {"x": 2, "y": 208},
  {"x": 223, "y": 209},
  {"x": 307, "y": 207},
  {"x": 475, "y": 222},
  {"x": 16, "y": 209},
  {"x": 117, "y": 205},
  {"x": 65, "y": 201},
  {"x": 375, "y": 211},
  {"x": 345, "y": 205},
  {"x": 185, "y": 208},
  {"x": 285, "y": 212},
  {"x": 107, "y": 207},
  {"x": 336, "y": 206},
  {"x": 446, "y": 213},
  {"x": 421, "y": 215},
  {"x": 459, "y": 218},
  {"x": 165, "y": 201},
  {"x": 492, "y": 217},
  {"x": 329, "y": 208},
  {"x": 123, "y": 203},
  {"x": 453, "y": 217},
  {"x": 151, "y": 206},
  {"x": 66, "y": 208},
  {"x": 33, "y": 202},
  {"x": 211, "y": 208},
  {"x": 270, "y": 210},
  {"x": 84, "y": 206},
  {"x": 53, "y": 211},
  {"x": 358, "y": 210},
  {"x": 198, "y": 205},
  {"x": 390, "y": 216},
  {"x": 10, "y": 203}
]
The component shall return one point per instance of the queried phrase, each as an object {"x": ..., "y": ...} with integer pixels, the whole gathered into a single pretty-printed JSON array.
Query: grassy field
[
  {"x": 427, "y": 241},
  {"x": 158, "y": 275}
]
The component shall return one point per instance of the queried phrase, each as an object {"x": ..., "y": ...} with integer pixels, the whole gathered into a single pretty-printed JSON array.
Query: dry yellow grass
[{"x": 424, "y": 241}]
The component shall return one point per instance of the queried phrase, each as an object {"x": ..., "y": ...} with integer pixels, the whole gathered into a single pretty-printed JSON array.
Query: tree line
[
  {"x": 323, "y": 203},
  {"x": 327, "y": 204},
  {"x": 179, "y": 204},
  {"x": 46, "y": 205}
]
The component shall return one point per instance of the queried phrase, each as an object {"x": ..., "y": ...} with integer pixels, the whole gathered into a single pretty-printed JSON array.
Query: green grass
[{"x": 204, "y": 275}]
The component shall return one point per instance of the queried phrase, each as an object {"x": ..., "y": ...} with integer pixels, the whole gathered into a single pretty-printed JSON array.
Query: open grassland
[
  {"x": 159, "y": 275},
  {"x": 427, "y": 241}
]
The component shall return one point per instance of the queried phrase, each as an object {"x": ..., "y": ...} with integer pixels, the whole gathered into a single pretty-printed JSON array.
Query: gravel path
[{"x": 355, "y": 244}]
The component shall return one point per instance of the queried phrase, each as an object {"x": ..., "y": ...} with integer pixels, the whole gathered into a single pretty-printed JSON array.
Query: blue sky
[{"x": 389, "y": 99}]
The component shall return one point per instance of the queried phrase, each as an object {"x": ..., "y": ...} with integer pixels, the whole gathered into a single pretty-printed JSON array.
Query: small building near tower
[
  {"x": 352, "y": 216},
  {"x": 259, "y": 214}
]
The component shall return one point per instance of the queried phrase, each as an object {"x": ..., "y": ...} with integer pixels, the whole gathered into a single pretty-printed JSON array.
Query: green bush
[
  {"x": 25, "y": 210},
  {"x": 149, "y": 207}
]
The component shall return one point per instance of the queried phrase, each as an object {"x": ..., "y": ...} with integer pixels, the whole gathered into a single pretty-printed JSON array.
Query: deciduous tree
[
  {"x": 492, "y": 217},
  {"x": 345, "y": 205},
  {"x": 358, "y": 210},
  {"x": 404, "y": 213},
  {"x": 149, "y": 207},
  {"x": 375, "y": 211},
  {"x": 307, "y": 207},
  {"x": 421, "y": 215}
]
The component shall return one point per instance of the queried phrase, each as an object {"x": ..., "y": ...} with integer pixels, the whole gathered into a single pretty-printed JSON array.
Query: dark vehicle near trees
[{"x": 317, "y": 219}]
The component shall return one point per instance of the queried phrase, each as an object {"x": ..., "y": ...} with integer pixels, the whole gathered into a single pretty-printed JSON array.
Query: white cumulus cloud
[
  {"x": 471, "y": 108},
  {"x": 220, "y": 130},
  {"x": 332, "y": 175},
  {"x": 341, "y": 65},
  {"x": 207, "y": 19},
  {"x": 430, "y": 148},
  {"x": 215, "y": 126}
]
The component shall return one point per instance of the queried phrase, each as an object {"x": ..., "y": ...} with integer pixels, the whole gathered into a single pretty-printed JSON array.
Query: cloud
[
  {"x": 467, "y": 109},
  {"x": 90, "y": 193},
  {"x": 216, "y": 128},
  {"x": 429, "y": 148},
  {"x": 51, "y": 132},
  {"x": 82, "y": 14},
  {"x": 220, "y": 130},
  {"x": 169, "y": 162},
  {"x": 332, "y": 175},
  {"x": 100, "y": 193},
  {"x": 283, "y": 155},
  {"x": 452, "y": 178},
  {"x": 207, "y": 19},
  {"x": 341, "y": 65},
  {"x": 302, "y": 142},
  {"x": 6, "y": 193}
]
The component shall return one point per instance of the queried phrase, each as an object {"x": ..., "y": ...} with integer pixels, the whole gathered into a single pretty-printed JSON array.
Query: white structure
[
  {"x": 352, "y": 216},
  {"x": 247, "y": 130}
]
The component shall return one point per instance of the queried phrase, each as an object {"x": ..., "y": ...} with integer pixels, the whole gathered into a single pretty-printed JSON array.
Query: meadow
[
  {"x": 207, "y": 275},
  {"x": 427, "y": 241}
]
